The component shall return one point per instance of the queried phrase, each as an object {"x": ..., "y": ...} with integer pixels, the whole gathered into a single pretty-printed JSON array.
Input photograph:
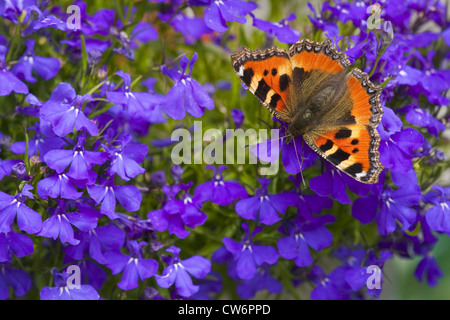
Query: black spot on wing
[
  {"x": 327, "y": 146},
  {"x": 248, "y": 76},
  {"x": 347, "y": 119},
  {"x": 266, "y": 72},
  {"x": 299, "y": 75},
  {"x": 284, "y": 82},
  {"x": 262, "y": 90},
  {"x": 339, "y": 156},
  {"x": 274, "y": 100},
  {"x": 274, "y": 72},
  {"x": 355, "y": 141},
  {"x": 343, "y": 134},
  {"x": 355, "y": 150},
  {"x": 354, "y": 169}
]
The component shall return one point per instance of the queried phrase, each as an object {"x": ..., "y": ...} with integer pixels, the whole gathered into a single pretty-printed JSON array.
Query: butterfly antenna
[{"x": 299, "y": 163}]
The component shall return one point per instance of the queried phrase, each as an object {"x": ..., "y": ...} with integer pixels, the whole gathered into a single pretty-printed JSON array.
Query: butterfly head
[{"x": 299, "y": 125}]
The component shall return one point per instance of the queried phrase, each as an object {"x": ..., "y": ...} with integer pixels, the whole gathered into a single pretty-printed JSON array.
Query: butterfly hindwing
[
  {"x": 350, "y": 141},
  {"x": 268, "y": 75}
]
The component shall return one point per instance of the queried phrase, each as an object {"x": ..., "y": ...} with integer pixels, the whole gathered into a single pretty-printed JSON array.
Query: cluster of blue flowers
[{"x": 86, "y": 118}]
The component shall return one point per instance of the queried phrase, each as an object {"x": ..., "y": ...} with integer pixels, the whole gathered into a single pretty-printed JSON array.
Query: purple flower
[
  {"x": 429, "y": 269},
  {"x": 438, "y": 216},
  {"x": 65, "y": 291},
  {"x": 80, "y": 160},
  {"x": 186, "y": 94},
  {"x": 106, "y": 193},
  {"x": 219, "y": 191},
  {"x": 179, "y": 272},
  {"x": 247, "y": 255},
  {"x": 57, "y": 185},
  {"x": 397, "y": 152},
  {"x": 422, "y": 117},
  {"x": 263, "y": 280},
  {"x": 307, "y": 204},
  {"x": 326, "y": 285},
  {"x": 281, "y": 30},
  {"x": 17, "y": 279},
  {"x": 133, "y": 265},
  {"x": 64, "y": 111},
  {"x": 331, "y": 183},
  {"x": 14, "y": 243},
  {"x": 390, "y": 205},
  {"x": 176, "y": 214},
  {"x": 301, "y": 235},
  {"x": 61, "y": 221},
  {"x": 45, "y": 67},
  {"x": 125, "y": 157},
  {"x": 265, "y": 207},
  {"x": 97, "y": 242},
  {"x": 331, "y": 29},
  {"x": 220, "y": 11},
  {"x": 139, "y": 104},
  {"x": 192, "y": 29},
  {"x": 10, "y": 83},
  {"x": 28, "y": 220}
]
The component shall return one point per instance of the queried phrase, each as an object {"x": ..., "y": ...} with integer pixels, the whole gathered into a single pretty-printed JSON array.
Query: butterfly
[{"x": 312, "y": 90}]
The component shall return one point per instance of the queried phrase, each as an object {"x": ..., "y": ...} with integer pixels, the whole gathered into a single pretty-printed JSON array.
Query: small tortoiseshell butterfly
[{"x": 309, "y": 88}]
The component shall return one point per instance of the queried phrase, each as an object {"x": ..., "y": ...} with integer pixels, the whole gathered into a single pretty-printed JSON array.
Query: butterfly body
[{"x": 310, "y": 88}]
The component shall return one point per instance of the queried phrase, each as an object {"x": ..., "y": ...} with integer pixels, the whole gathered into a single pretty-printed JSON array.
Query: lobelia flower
[
  {"x": 28, "y": 220},
  {"x": 64, "y": 111},
  {"x": 247, "y": 255},
  {"x": 97, "y": 242},
  {"x": 179, "y": 272},
  {"x": 302, "y": 235},
  {"x": 10, "y": 83},
  {"x": 125, "y": 157},
  {"x": 211, "y": 284},
  {"x": 80, "y": 160},
  {"x": 91, "y": 272},
  {"x": 331, "y": 183},
  {"x": 429, "y": 269},
  {"x": 59, "y": 225},
  {"x": 307, "y": 204},
  {"x": 46, "y": 67},
  {"x": 107, "y": 192},
  {"x": 138, "y": 104},
  {"x": 133, "y": 265},
  {"x": 186, "y": 94},
  {"x": 331, "y": 29},
  {"x": 14, "y": 243},
  {"x": 438, "y": 216},
  {"x": 326, "y": 285},
  {"x": 263, "y": 280},
  {"x": 17, "y": 279},
  {"x": 357, "y": 275},
  {"x": 422, "y": 117},
  {"x": 219, "y": 191},
  {"x": 221, "y": 11},
  {"x": 281, "y": 29},
  {"x": 192, "y": 28},
  {"x": 64, "y": 291},
  {"x": 6, "y": 167},
  {"x": 175, "y": 215},
  {"x": 265, "y": 207},
  {"x": 390, "y": 205},
  {"x": 58, "y": 185}
]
